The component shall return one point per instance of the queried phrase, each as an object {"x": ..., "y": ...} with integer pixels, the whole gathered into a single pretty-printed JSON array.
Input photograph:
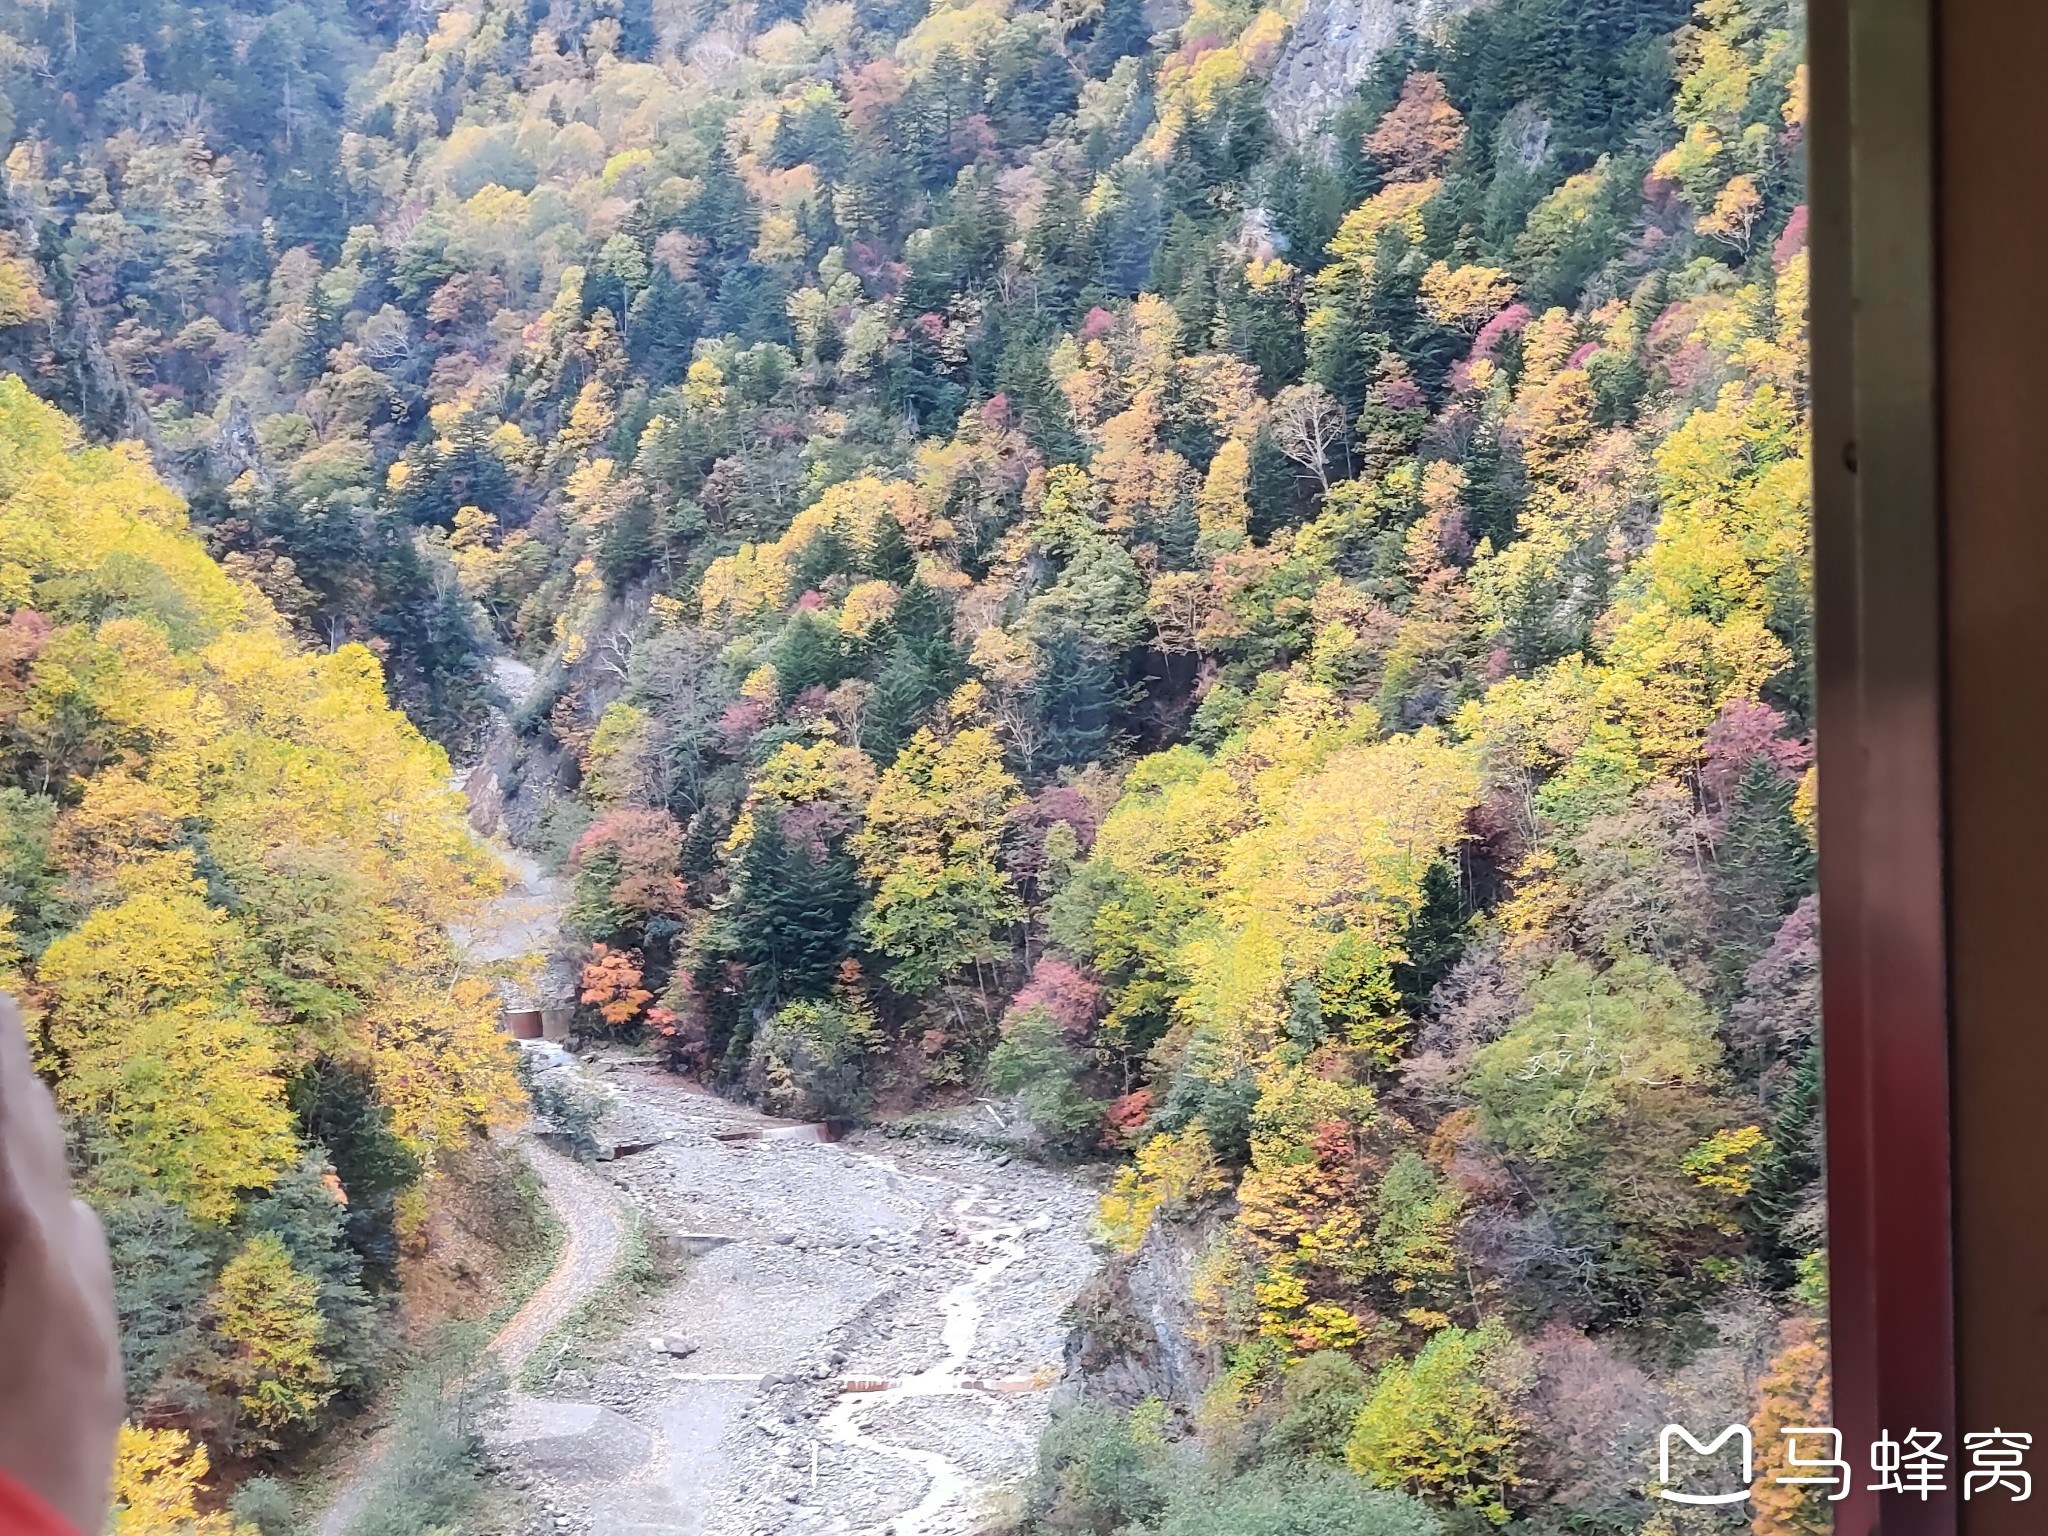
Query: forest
[{"x": 1281, "y": 652}]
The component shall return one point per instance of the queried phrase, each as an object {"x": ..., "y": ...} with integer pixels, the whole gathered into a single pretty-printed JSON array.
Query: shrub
[
  {"x": 1298, "y": 1502},
  {"x": 264, "y": 1503},
  {"x": 1038, "y": 1063},
  {"x": 1442, "y": 1424},
  {"x": 429, "y": 1476},
  {"x": 1319, "y": 1403},
  {"x": 1172, "y": 1173},
  {"x": 159, "y": 1478},
  {"x": 807, "y": 1060},
  {"x": 1094, "y": 1476}
]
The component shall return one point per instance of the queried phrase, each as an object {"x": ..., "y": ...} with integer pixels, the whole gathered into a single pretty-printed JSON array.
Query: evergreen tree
[
  {"x": 163, "y": 1264},
  {"x": 1435, "y": 936},
  {"x": 722, "y": 214},
  {"x": 1082, "y": 697},
  {"x": 306, "y": 1213},
  {"x": 827, "y": 555},
  {"x": 890, "y": 557},
  {"x": 921, "y": 666},
  {"x": 811, "y": 653},
  {"x": 667, "y": 319},
  {"x": 1763, "y": 864},
  {"x": 699, "y": 858},
  {"x": 1121, "y": 30},
  {"x": 904, "y": 691},
  {"x": 1278, "y": 490},
  {"x": 627, "y": 549},
  {"x": 1786, "y": 1176},
  {"x": 637, "y": 35},
  {"x": 792, "y": 914},
  {"x": 337, "y": 1108},
  {"x": 1179, "y": 532}
]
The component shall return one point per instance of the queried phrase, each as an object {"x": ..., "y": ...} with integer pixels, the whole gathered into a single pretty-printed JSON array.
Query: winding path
[
  {"x": 519, "y": 926},
  {"x": 593, "y": 1233}
]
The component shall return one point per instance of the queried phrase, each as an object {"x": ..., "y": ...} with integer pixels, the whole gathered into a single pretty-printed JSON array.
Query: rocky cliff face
[
  {"x": 1138, "y": 1335},
  {"x": 1332, "y": 48}
]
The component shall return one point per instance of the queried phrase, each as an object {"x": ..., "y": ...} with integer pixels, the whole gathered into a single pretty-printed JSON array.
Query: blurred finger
[
  {"x": 31, "y": 1136},
  {"x": 17, "y": 1208},
  {"x": 94, "y": 1266}
]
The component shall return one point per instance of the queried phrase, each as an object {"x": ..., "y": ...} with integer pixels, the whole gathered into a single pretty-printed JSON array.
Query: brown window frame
[{"x": 1928, "y": 156}]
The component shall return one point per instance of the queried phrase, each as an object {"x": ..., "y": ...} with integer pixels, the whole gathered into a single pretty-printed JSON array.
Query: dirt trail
[
  {"x": 592, "y": 1235},
  {"x": 936, "y": 1277},
  {"x": 522, "y": 924}
]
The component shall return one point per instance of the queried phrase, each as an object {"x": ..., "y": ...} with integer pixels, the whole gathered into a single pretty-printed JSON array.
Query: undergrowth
[{"x": 432, "y": 1473}]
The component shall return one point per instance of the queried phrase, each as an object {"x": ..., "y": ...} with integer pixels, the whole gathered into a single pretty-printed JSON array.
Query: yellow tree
[
  {"x": 1794, "y": 1393},
  {"x": 1733, "y": 218},
  {"x": 158, "y": 1474},
  {"x": 1445, "y": 1423},
  {"x": 1465, "y": 297},
  {"x": 929, "y": 845},
  {"x": 439, "y": 1059},
  {"x": 1321, "y": 888},
  {"x": 268, "y": 1315},
  {"x": 153, "y": 1047}
]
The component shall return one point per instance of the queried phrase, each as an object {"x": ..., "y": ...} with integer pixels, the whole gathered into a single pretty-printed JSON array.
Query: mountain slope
[
  {"x": 1276, "y": 640},
  {"x": 228, "y": 867}
]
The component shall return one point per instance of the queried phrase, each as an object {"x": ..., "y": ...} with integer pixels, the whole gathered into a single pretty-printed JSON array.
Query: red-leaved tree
[{"x": 611, "y": 984}]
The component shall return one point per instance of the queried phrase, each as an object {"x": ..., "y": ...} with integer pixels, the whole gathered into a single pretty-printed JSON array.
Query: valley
[
  {"x": 933, "y": 1281},
  {"x": 1225, "y": 584}
]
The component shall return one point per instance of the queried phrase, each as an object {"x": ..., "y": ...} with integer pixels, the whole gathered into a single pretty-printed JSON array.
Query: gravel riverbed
[{"x": 934, "y": 1280}]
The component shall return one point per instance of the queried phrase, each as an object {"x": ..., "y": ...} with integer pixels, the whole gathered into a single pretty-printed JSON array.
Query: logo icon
[{"x": 1737, "y": 1432}]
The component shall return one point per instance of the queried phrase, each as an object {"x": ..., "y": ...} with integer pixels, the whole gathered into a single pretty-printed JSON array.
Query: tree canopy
[{"x": 1280, "y": 649}]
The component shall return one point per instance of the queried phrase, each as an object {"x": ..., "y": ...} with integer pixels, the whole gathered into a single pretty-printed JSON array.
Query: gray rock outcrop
[{"x": 1332, "y": 48}]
